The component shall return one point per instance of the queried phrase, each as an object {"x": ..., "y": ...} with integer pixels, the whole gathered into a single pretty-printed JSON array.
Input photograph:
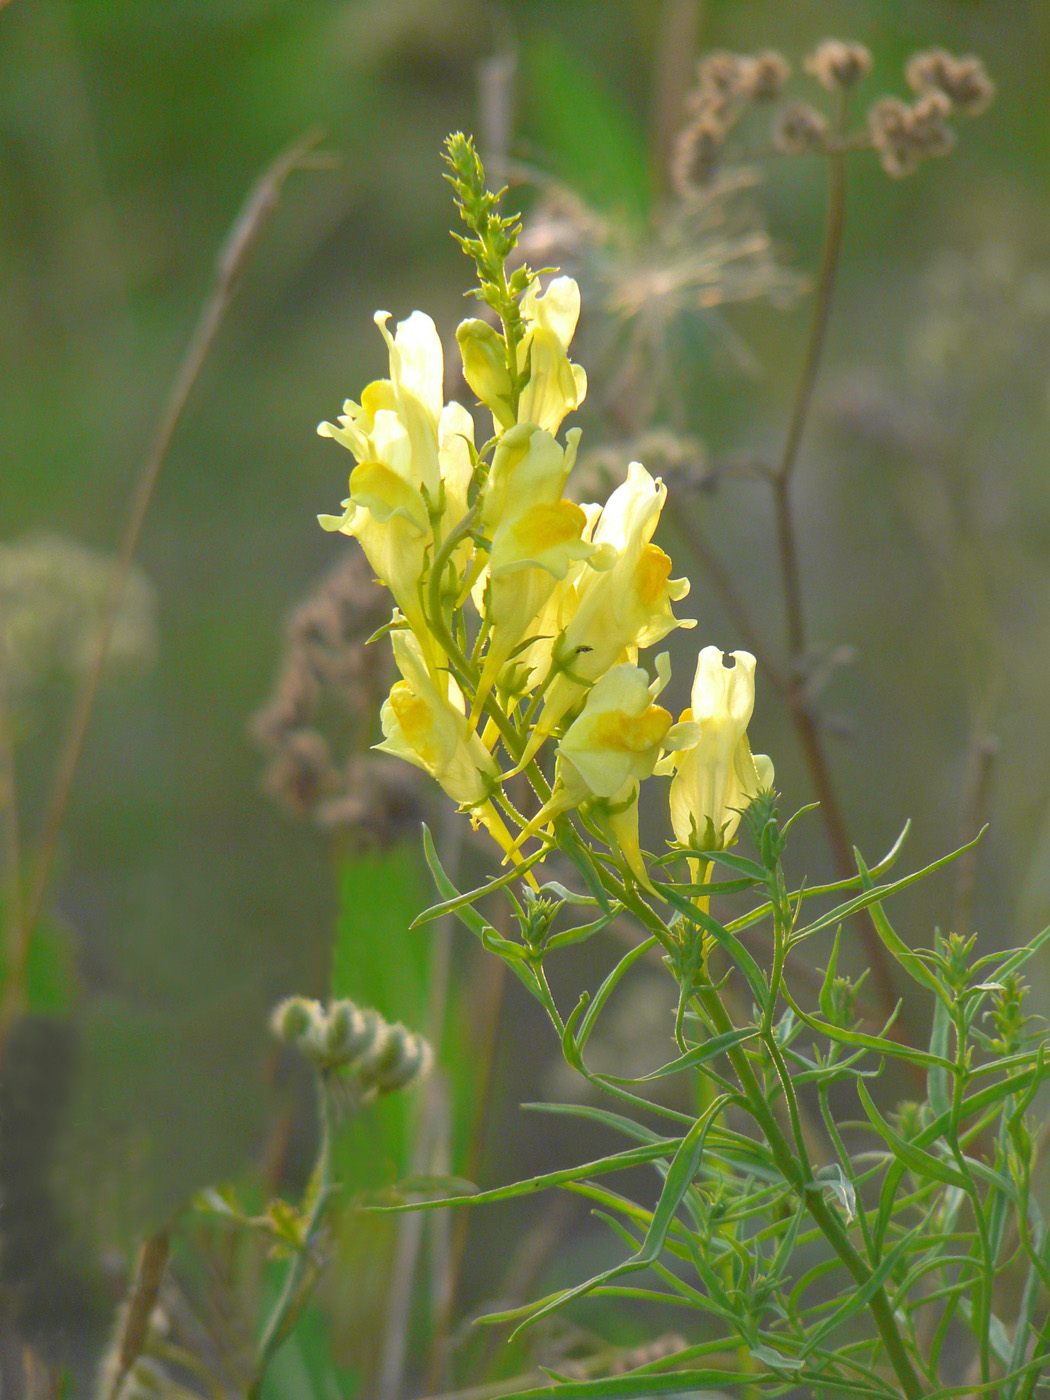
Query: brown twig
[
  {"x": 677, "y": 31},
  {"x": 782, "y": 475},
  {"x": 233, "y": 257},
  {"x": 133, "y": 1328},
  {"x": 10, "y": 841},
  {"x": 799, "y": 703}
]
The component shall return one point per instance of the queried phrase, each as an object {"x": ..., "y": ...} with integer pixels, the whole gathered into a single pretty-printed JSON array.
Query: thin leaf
[
  {"x": 938, "y": 1076},
  {"x": 450, "y": 906},
  {"x": 923, "y": 1164},
  {"x": 607, "y": 987},
  {"x": 679, "y": 1178},
  {"x": 858, "y": 1298},
  {"x": 717, "y": 1045},
  {"x": 615, "y": 1162}
]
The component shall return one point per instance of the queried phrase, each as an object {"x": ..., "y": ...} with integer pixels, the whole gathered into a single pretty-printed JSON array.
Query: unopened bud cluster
[
  {"x": 1008, "y": 1014},
  {"x": 341, "y": 1036},
  {"x": 903, "y": 134}
]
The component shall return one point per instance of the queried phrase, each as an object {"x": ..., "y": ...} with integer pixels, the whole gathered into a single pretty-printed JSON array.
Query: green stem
[
  {"x": 290, "y": 1300},
  {"x": 798, "y": 1176}
]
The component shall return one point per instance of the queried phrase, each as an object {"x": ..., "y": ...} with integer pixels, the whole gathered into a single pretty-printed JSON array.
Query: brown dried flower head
[
  {"x": 725, "y": 75},
  {"x": 903, "y": 136},
  {"x": 963, "y": 80},
  {"x": 799, "y": 129},
  {"x": 838, "y": 64},
  {"x": 696, "y": 153},
  {"x": 768, "y": 73},
  {"x": 322, "y": 713}
]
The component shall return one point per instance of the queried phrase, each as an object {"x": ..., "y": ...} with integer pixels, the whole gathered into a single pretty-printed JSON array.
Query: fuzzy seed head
[
  {"x": 838, "y": 65},
  {"x": 767, "y": 74},
  {"x": 799, "y": 130},
  {"x": 963, "y": 80}
]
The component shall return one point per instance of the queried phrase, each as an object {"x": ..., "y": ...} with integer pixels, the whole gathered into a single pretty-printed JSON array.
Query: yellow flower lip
[{"x": 626, "y": 733}]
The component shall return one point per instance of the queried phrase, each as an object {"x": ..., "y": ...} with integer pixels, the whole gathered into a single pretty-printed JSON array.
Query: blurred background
[{"x": 205, "y": 869}]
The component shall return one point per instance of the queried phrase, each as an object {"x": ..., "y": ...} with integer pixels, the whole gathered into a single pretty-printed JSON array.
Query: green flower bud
[
  {"x": 399, "y": 1059},
  {"x": 293, "y": 1018},
  {"x": 347, "y": 1032}
]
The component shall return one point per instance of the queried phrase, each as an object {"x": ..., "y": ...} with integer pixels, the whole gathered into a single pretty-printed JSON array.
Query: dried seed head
[
  {"x": 724, "y": 75},
  {"x": 963, "y": 80},
  {"x": 697, "y": 149},
  {"x": 903, "y": 136},
  {"x": 929, "y": 128},
  {"x": 380, "y": 801},
  {"x": 799, "y": 129},
  {"x": 838, "y": 65},
  {"x": 302, "y": 772},
  {"x": 767, "y": 73}
]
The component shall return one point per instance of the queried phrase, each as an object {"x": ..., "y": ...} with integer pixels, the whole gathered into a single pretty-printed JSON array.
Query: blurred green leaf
[{"x": 591, "y": 138}]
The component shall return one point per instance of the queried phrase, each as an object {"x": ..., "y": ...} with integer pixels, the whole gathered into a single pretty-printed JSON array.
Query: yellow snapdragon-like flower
[
  {"x": 413, "y": 462},
  {"x": 622, "y": 602},
  {"x": 535, "y": 536},
  {"x": 555, "y": 385},
  {"x": 716, "y": 777},
  {"x": 429, "y": 729},
  {"x": 613, "y": 745}
]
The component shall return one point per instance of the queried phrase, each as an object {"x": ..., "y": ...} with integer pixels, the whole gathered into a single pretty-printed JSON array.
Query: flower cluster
[{"x": 520, "y": 615}]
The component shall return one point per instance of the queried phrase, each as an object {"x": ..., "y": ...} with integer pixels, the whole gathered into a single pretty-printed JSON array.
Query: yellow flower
[
  {"x": 717, "y": 777},
  {"x": 535, "y": 535},
  {"x": 413, "y": 462},
  {"x": 609, "y": 749},
  {"x": 555, "y": 385},
  {"x": 621, "y": 603},
  {"x": 429, "y": 729},
  {"x": 484, "y": 353}
]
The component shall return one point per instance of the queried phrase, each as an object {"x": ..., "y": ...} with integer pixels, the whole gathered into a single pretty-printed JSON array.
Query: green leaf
[
  {"x": 938, "y": 1076},
  {"x": 880, "y": 1044},
  {"x": 776, "y": 1360},
  {"x": 677, "y": 1182},
  {"x": 923, "y": 1164},
  {"x": 614, "y": 1162},
  {"x": 680, "y": 1176},
  {"x": 1020, "y": 956},
  {"x": 466, "y": 915},
  {"x": 634, "y": 1385},
  {"x": 717, "y": 1045},
  {"x": 565, "y": 937},
  {"x": 452, "y": 905},
  {"x": 607, "y": 988},
  {"x": 858, "y": 1298},
  {"x": 824, "y": 999},
  {"x": 618, "y": 1122}
]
